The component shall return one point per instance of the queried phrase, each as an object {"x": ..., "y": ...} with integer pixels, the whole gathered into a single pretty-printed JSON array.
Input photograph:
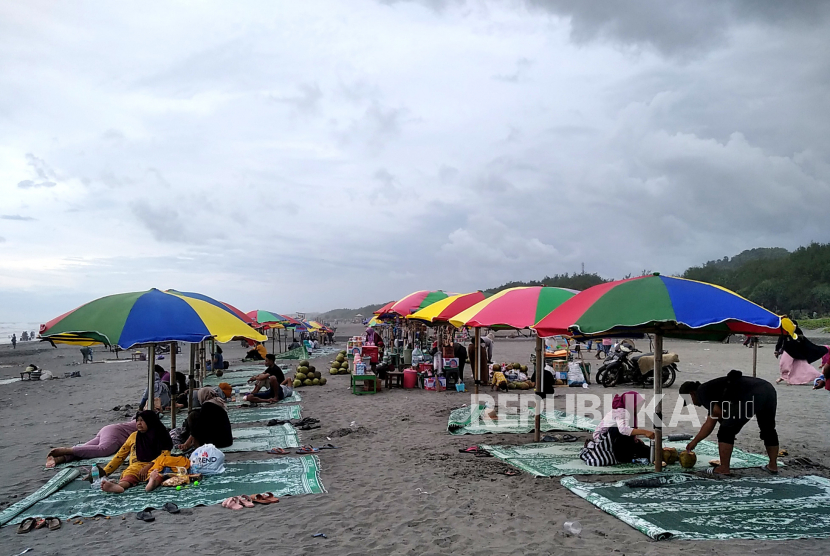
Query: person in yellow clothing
[
  {"x": 163, "y": 467},
  {"x": 258, "y": 353},
  {"x": 150, "y": 441}
]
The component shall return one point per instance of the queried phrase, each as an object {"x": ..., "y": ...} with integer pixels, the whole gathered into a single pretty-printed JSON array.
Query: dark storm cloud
[{"x": 676, "y": 27}]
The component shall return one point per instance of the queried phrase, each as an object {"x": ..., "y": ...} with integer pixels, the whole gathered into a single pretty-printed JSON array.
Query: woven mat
[
  {"x": 687, "y": 507},
  {"x": 554, "y": 459},
  {"x": 288, "y": 476},
  {"x": 467, "y": 420}
]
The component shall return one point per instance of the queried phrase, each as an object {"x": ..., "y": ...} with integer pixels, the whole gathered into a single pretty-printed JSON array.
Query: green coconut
[
  {"x": 340, "y": 358},
  {"x": 322, "y": 382},
  {"x": 687, "y": 459},
  {"x": 511, "y": 386},
  {"x": 517, "y": 366},
  {"x": 308, "y": 382},
  {"x": 342, "y": 352},
  {"x": 344, "y": 365},
  {"x": 315, "y": 382},
  {"x": 312, "y": 368},
  {"x": 670, "y": 455},
  {"x": 334, "y": 370},
  {"x": 304, "y": 363},
  {"x": 318, "y": 374},
  {"x": 301, "y": 376},
  {"x": 524, "y": 368},
  {"x": 298, "y": 383},
  {"x": 302, "y": 369}
]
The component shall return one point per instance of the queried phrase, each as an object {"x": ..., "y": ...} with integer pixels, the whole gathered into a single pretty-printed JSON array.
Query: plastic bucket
[{"x": 410, "y": 378}]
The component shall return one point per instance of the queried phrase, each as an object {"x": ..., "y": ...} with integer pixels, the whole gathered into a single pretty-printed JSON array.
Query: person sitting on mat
[
  {"x": 105, "y": 443},
  {"x": 210, "y": 423},
  {"x": 732, "y": 401},
  {"x": 161, "y": 391},
  {"x": 257, "y": 354},
  {"x": 150, "y": 440},
  {"x": 272, "y": 378},
  {"x": 615, "y": 438}
]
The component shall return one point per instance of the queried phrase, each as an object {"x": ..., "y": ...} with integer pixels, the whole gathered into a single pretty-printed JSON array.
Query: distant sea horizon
[{"x": 9, "y": 328}]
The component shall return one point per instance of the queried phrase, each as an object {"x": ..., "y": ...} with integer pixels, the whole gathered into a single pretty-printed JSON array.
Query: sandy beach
[{"x": 399, "y": 484}]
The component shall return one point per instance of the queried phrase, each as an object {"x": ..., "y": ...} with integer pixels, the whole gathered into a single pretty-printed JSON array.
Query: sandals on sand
[
  {"x": 232, "y": 503},
  {"x": 170, "y": 507},
  {"x": 245, "y": 500},
  {"x": 52, "y": 523},
  {"x": 469, "y": 450},
  {"x": 308, "y": 450},
  {"x": 26, "y": 525},
  {"x": 278, "y": 451},
  {"x": 267, "y": 498},
  {"x": 146, "y": 515}
]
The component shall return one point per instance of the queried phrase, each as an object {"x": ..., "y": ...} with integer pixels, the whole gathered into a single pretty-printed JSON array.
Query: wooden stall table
[
  {"x": 363, "y": 378},
  {"x": 397, "y": 376}
]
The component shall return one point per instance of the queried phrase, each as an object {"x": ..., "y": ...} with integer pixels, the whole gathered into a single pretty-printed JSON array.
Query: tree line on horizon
[{"x": 797, "y": 282}]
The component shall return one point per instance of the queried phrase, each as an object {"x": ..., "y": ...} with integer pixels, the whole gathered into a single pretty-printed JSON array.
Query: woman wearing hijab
[
  {"x": 150, "y": 440},
  {"x": 161, "y": 391},
  {"x": 210, "y": 423},
  {"x": 615, "y": 438}
]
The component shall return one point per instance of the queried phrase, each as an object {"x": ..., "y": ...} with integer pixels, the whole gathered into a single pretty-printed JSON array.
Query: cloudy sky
[{"x": 311, "y": 155}]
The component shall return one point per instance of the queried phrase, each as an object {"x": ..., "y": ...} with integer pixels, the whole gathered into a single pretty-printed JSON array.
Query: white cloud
[{"x": 304, "y": 156}]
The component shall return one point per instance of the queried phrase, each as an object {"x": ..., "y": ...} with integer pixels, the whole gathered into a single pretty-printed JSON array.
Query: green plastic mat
[
  {"x": 687, "y": 507},
  {"x": 467, "y": 420},
  {"x": 264, "y": 412},
  {"x": 297, "y": 353},
  {"x": 554, "y": 459},
  {"x": 288, "y": 476},
  {"x": 60, "y": 480}
]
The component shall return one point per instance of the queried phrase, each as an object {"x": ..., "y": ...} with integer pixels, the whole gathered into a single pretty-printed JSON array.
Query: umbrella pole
[
  {"x": 658, "y": 407},
  {"x": 192, "y": 377},
  {"x": 173, "y": 384},
  {"x": 272, "y": 339},
  {"x": 151, "y": 382},
  {"x": 754, "y": 341},
  {"x": 540, "y": 377},
  {"x": 477, "y": 352}
]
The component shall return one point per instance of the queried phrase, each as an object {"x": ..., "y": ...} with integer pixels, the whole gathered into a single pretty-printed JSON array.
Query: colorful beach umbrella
[
  {"x": 674, "y": 307},
  {"x": 416, "y": 301},
  {"x": 513, "y": 308},
  {"x": 266, "y": 319},
  {"x": 148, "y": 317},
  {"x": 441, "y": 311},
  {"x": 383, "y": 310},
  {"x": 662, "y": 306},
  {"x": 221, "y": 304}
]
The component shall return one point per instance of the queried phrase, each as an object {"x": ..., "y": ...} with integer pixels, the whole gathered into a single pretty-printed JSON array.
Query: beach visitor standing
[{"x": 14, "y": 341}]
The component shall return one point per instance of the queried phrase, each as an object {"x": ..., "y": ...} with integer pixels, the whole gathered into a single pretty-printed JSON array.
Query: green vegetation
[
  {"x": 797, "y": 283},
  {"x": 348, "y": 314}
]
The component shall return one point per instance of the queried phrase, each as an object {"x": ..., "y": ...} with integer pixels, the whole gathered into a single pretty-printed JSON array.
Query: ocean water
[{"x": 9, "y": 328}]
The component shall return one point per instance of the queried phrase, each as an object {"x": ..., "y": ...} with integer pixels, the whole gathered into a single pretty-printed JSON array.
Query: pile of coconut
[
  {"x": 307, "y": 375},
  {"x": 340, "y": 365}
]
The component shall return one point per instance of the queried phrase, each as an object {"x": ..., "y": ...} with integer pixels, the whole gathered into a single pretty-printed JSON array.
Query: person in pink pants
[{"x": 107, "y": 442}]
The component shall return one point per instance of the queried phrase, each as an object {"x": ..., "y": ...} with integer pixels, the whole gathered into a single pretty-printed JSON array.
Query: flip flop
[
  {"x": 40, "y": 523},
  {"x": 260, "y": 499},
  {"x": 469, "y": 450},
  {"x": 329, "y": 447},
  {"x": 568, "y": 438},
  {"x": 54, "y": 523},
  {"x": 170, "y": 507},
  {"x": 232, "y": 503},
  {"x": 768, "y": 470},
  {"x": 145, "y": 516},
  {"x": 26, "y": 525},
  {"x": 552, "y": 438},
  {"x": 483, "y": 454},
  {"x": 270, "y": 498},
  {"x": 245, "y": 500},
  {"x": 710, "y": 472},
  {"x": 510, "y": 473},
  {"x": 308, "y": 450},
  {"x": 278, "y": 451}
]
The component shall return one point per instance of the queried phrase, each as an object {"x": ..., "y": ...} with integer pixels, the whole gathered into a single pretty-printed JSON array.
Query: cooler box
[{"x": 371, "y": 352}]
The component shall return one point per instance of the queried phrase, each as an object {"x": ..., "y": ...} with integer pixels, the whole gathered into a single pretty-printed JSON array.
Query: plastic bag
[
  {"x": 207, "y": 460},
  {"x": 575, "y": 376}
]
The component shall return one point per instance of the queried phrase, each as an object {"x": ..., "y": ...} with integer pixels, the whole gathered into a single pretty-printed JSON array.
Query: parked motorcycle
[{"x": 622, "y": 367}]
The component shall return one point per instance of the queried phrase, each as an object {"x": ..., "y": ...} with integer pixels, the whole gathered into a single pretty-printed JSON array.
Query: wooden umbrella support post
[
  {"x": 151, "y": 379},
  {"x": 192, "y": 377},
  {"x": 173, "y": 383},
  {"x": 658, "y": 407},
  {"x": 477, "y": 352},
  {"x": 540, "y": 377},
  {"x": 754, "y": 341}
]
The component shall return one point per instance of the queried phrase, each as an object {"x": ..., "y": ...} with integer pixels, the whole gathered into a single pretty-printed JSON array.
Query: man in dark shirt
[
  {"x": 273, "y": 377},
  {"x": 547, "y": 383},
  {"x": 732, "y": 401}
]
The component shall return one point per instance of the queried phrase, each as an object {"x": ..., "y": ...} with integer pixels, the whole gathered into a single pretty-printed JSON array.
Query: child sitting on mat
[{"x": 150, "y": 441}]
